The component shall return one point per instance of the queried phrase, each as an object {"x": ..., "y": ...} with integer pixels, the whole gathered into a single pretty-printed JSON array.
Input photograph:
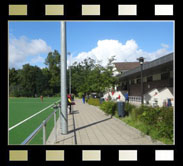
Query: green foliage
[
  {"x": 94, "y": 102},
  {"x": 88, "y": 76},
  {"x": 149, "y": 114},
  {"x": 53, "y": 63},
  {"x": 128, "y": 108},
  {"x": 109, "y": 107},
  {"x": 154, "y": 121},
  {"x": 80, "y": 94},
  {"x": 31, "y": 81},
  {"x": 160, "y": 118}
]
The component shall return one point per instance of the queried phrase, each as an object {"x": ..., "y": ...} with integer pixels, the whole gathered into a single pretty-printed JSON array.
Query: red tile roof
[{"x": 126, "y": 65}]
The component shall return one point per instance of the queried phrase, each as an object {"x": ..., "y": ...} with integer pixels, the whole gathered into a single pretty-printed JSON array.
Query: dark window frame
[
  {"x": 138, "y": 81},
  {"x": 150, "y": 79},
  {"x": 165, "y": 76}
]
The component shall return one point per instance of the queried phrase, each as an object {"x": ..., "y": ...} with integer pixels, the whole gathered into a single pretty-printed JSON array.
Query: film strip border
[
  {"x": 90, "y": 10},
  {"x": 89, "y": 155}
]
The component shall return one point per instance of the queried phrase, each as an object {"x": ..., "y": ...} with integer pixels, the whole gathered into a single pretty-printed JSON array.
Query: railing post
[
  {"x": 60, "y": 117},
  {"x": 44, "y": 132},
  {"x": 55, "y": 125}
]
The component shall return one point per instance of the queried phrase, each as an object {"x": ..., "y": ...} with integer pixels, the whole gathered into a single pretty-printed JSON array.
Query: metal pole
[
  {"x": 69, "y": 74},
  {"x": 55, "y": 124},
  {"x": 142, "y": 96},
  {"x": 44, "y": 133},
  {"x": 70, "y": 80},
  {"x": 64, "y": 118}
]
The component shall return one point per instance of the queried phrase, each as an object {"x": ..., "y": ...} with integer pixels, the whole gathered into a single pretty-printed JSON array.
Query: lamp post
[
  {"x": 69, "y": 76},
  {"x": 63, "y": 61},
  {"x": 141, "y": 61}
]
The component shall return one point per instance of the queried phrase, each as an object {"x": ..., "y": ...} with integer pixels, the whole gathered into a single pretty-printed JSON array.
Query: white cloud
[
  {"x": 165, "y": 45},
  {"x": 38, "y": 59},
  {"x": 23, "y": 48},
  {"x": 128, "y": 51}
]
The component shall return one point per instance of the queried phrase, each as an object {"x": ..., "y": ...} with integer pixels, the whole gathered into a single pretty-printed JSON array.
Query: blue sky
[{"x": 99, "y": 40}]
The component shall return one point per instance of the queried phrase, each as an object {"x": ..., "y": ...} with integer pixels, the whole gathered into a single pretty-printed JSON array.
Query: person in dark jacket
[
  {"x": 126, "y": 97},
  {"x": 83, "y": 98}
]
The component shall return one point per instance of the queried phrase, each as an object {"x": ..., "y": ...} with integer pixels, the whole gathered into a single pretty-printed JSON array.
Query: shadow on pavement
[
  {"x": 91, "y": 124},
  {"x": 75, "y": 112}
]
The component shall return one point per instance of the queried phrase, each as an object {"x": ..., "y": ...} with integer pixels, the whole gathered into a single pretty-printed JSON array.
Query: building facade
[{"x": 156, "y": 74}]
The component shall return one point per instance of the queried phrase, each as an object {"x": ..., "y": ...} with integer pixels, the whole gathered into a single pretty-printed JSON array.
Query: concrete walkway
[{"x": 88, "y": 125}]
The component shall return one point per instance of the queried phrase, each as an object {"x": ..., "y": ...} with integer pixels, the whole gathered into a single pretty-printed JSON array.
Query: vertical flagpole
[{"x": 64, "y": 118}]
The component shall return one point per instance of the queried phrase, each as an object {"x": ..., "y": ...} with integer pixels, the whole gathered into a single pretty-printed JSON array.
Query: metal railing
[
  {"x": 56, "y": 107},
  {"x": 135, "y": 99}
]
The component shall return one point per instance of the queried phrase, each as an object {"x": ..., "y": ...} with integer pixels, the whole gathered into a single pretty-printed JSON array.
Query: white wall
[
  {"x": 115, "y": 95},
  {"x": 159, "y": 96},
  {"x": 162, "y": 96},
  {"x": 150, "y": 97}
]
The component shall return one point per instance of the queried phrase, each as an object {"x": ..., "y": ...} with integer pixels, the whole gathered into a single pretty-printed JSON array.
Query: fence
[
  {"x": 135, "y": 99},
  {"x": 43, "y": 126}
]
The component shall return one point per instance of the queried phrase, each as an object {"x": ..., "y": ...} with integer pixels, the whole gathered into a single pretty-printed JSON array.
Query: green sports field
[{"x": 21, "y": 109}]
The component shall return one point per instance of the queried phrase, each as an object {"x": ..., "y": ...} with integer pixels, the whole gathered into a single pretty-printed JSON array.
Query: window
[
  {"x": 165, "y": 76},
  {"x": 138, "y": 81},
  {"x": 149, "y": 79}
]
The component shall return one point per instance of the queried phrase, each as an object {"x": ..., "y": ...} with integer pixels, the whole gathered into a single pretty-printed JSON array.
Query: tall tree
[{"x": 53, "y": 63}]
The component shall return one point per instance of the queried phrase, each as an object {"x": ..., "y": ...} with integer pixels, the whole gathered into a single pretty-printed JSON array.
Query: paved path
[{"x": 88, "y": 125}]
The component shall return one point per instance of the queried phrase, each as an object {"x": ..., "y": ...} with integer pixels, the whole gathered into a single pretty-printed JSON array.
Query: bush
[
  {"x": 94, "y": 102},
  {"x": 165, "y": 122},
  {"x": 109, "y": 107},
  {"x": 128, "y": 108},
  {"x": 150, "y": 115},
  {"x": 133, "y": 114},
  {"x": 160, "y": 118},
  {"x": 157, "y": 121}
]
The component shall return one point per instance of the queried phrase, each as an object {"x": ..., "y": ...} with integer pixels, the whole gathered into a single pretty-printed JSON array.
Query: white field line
[{"x": 30, "y": 117}]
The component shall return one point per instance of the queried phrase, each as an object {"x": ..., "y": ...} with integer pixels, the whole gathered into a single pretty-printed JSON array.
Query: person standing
[
  {"x": 83, "y": 97},
  {"x": 41, "y": 97},
  {"x": 126, "y": 97},
  {"x": 69, "y": 102}
]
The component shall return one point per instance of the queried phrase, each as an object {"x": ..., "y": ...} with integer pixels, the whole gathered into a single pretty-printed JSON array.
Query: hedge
[
  {"x": 109, "y": 107},
  {"x": 158, "y": 120},
  {"x": 93, "y": 101}
]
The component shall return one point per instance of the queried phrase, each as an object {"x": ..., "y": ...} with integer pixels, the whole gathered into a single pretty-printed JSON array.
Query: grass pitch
[{"x": 22, "y": 108}]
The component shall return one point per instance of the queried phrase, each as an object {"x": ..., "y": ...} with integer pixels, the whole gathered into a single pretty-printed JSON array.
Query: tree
[
  {"x": 53, "y": 60},
  {"x": 47, "y": 90},
  {"x": 87, "y": 76},
  {"x": 53, "y": 63},
  {"x": 14, "y": 82},
  {"x": 31, "y": 81},
  {"x": 108, "y": 79}
]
